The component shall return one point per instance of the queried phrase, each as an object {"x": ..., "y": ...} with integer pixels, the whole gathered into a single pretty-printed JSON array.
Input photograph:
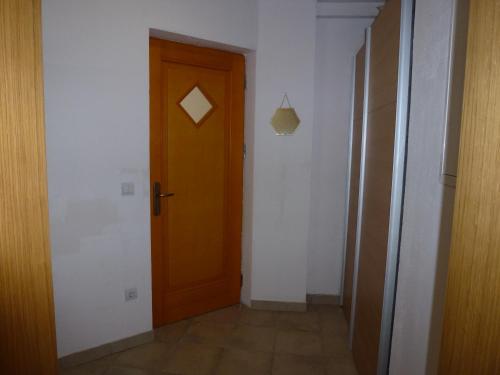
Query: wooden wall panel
[
  {"x": 359, "y": 85},
  {"x": 377, "y": 186},
  {"x": 27, "y": 334},
  {"x": 471, "y": 332},
  {"x": 354, "y": 181}
]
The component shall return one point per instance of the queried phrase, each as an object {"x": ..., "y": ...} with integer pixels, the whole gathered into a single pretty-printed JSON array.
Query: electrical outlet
[
  {"x": 130, "y": 294},
  {"x": 128, "y": 188}
]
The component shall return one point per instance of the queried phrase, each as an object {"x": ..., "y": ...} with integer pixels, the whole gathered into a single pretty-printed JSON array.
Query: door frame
[
  {"x": 348, "y": 181},
  {"x": 161, "y": 49},
  {"x": 398, "y": 183},
  {"x": 361, "y": 189}
]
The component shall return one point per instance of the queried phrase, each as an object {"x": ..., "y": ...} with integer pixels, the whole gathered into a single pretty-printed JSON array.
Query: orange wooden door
[
  {"x": 27, "y": 333},
  {"x": 196, "y": 143}
]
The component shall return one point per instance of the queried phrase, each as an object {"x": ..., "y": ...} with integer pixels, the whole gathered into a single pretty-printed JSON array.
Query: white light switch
[{"x": 127, "y": 188}]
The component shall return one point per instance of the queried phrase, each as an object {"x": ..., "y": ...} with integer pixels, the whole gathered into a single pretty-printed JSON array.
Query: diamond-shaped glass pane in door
[{"x": 196, "y": 105}]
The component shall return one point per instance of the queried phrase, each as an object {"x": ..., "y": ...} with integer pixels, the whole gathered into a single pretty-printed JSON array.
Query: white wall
[
  {"x": 282, "y": 165},
  {"x": 96, "y": 90},
  {"x": 97, "y": 122},
  {"x": 428, "y": 204},
  {"x": 337, "y": 42}
]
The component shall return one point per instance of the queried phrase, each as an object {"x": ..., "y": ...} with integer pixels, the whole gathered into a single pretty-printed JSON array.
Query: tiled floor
[{"x": 239, "y": 341}]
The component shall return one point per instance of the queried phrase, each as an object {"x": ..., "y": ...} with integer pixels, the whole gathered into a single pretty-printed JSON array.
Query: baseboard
[
  {"x": 92, "y": 354},
  {"x": 279, "y": 306},
  {"x": 323, "y": 299}
]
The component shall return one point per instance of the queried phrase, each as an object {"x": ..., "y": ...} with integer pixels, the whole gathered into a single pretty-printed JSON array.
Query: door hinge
[
  {"x": 241, "y": 280},
  {"x": 245, "y": 82}
]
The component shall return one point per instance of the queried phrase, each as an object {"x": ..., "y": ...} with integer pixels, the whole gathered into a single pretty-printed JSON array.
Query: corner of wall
[{"x": 248, "y": 179}]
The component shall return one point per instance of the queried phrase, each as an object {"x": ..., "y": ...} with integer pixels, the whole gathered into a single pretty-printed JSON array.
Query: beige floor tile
[
  {"x": 324, "y": 308},
  {"x": 150, "y": 356},
  {"x": 248, "y": 337},
  {"x": 252, "y": 338},
  {"x": 170, "y": 334},
  {"x": 287, "y": 364},
  {"x": 330, "y": 311},
  {"x": 298, "y": 342},
  {"x": 190, "y": 358},
  {"x": 304, "y": 321},
  {"x": 120, "y": 370},
  {"x": 229, "y": 315},
  {"x": 336, "y": 347},
  {"x": 242, "y": 362},
  {"x": 341, "y": 368},
  {"x": 208, "y": 332},
  {"x": 82, "y": 370},
  {"x": 258, "y": 318},
  {"x": 334, "y": 324},
  {"x": 97, "y": 367}
]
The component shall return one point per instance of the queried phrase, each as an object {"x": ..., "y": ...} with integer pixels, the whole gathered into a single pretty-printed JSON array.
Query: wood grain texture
[
  {"x": 352, "y": 219},
  {"x": 380, "y": 132},
  {"x": 27, "y": 333},
  {"x": 196, "y": 241},
  {"x": 471, "y": 332}
]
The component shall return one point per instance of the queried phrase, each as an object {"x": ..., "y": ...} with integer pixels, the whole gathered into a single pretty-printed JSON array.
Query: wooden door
[
  {"x": 196, "y": 163},
  {"x": 380, "y": 132},
  {"x": 27, "y": 334},
  {"x": 352, "y": 219},
  {"x": 471, "y": 331}
]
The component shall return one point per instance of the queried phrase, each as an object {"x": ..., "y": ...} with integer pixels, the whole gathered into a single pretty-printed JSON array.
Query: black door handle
[{"x": 157, "y": 195}]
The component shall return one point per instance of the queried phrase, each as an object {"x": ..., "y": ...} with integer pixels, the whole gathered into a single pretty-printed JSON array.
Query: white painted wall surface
[
  {"x": 337, "y": 42},
  {"x": 428, "y": 204},
  {"x": 349, "y": 9},
  {"x": 282, "y": 164},
  {"x": 97, "y": 123}
]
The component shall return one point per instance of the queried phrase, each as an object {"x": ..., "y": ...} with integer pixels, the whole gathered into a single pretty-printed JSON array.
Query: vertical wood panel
[
  {"x": 384, "y": 59},
  {"x": 354, "y": 181},
  {"x": 27, "y": 335},
  {"x": 471, "y": 332}
]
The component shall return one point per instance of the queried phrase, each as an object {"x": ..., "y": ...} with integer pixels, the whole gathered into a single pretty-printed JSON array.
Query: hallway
[
  {"x": 241, "y": 341},
  {"x": 250, "y": 187}
]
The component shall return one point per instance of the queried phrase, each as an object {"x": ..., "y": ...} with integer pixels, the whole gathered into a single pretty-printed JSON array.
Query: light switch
[{"x": 127, "y": 188}]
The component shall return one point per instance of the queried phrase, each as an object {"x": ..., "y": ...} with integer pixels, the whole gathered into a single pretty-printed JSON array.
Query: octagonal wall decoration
[{"x": 285, "y": 120}]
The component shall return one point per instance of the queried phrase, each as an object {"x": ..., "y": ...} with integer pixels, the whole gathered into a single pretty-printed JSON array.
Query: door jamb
[{"x": 398, "y": 184}]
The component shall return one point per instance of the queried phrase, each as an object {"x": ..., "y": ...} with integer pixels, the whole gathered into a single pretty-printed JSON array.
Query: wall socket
[
  {"x": 128, "y": 188},
  {"x": 130, "y": 294}
]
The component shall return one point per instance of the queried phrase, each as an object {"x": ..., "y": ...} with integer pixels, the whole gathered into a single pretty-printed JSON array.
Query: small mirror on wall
[{"x": 456, "y": 79}]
